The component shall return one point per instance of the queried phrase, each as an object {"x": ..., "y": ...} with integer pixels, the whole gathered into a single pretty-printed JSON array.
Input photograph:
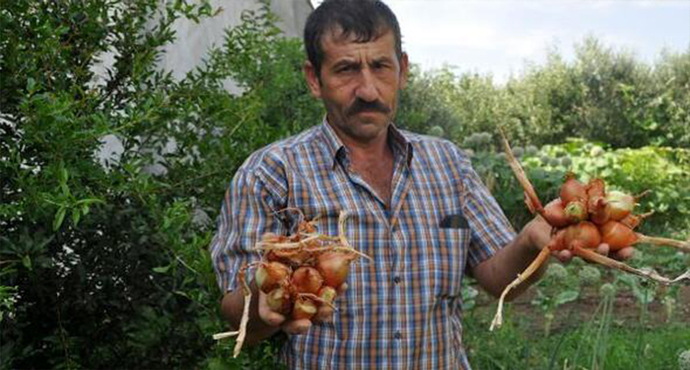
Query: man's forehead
[{"x": 336, "y": 35}]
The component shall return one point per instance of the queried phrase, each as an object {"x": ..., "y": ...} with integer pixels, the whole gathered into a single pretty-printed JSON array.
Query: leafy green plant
[
  {"x": 684, "y": 360},
  {"x": 105, "y": 263},
  {"x": 558, "y": 287}
]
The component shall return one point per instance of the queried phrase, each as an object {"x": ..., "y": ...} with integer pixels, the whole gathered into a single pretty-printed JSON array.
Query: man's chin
[
  {"x": 368, "y": 130},
  {"x": 375, "y": 119}
]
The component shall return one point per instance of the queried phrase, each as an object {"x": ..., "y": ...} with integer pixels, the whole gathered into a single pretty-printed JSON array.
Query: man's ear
[
  {"x": 312, "y": 79},
  {"x": 404, "y": 70}
]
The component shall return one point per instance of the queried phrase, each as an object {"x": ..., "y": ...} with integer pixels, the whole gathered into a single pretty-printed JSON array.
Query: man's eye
[{"x": 380, "y": 65}]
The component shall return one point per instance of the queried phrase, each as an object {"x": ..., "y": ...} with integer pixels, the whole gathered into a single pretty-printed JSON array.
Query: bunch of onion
[
  {"x": 298, "y": 273},
  {"x": 583, "y": 217}
]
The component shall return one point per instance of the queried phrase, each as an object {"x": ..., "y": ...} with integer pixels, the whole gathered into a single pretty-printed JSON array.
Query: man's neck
[
  {"x": 373, "y": 161},
  {"x": 375, "y": 150},
  {"x": 363, "y": 151}
]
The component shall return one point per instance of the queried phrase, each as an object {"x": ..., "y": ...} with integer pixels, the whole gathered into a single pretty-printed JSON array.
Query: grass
[
  {"x": 632, "y": 330},
  {"x": 627, "y": 347}
]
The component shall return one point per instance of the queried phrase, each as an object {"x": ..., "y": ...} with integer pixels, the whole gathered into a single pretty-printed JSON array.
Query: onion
[
  {"x": 599, "y": 212},
  {"x": 304, "y": 308},
  {"x": 596, "y": 188},
  {"x": 334, "y": 267},
  {"x": 576, "y": 211},
  {"x": 596, "y": 201},
  {"x": 632, "y": 221},
  {"x": 270, "y": 275},
  {"x": 557, "y": 242},
  {"x": 584, "y": 235},
  {"x": 327, "y": 293},
  {"x": 572, "y": 189},
  {"x": 620, "y": 204},
  {"x": 617, "y": 235},
  {"x": 290, "y": 257},
  {"x": 306, "y": 280},
  {"x": 278, "y": 300},
  {"x": 554, "y": 213}
]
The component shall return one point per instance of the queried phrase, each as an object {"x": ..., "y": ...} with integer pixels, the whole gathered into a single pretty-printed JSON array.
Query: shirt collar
[
  {"x": 401, "y": 146},
  {"x": 335, "y": 147}
]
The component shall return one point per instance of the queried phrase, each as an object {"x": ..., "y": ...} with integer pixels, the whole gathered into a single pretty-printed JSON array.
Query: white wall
[
  {"x": 193, "y": 40},
  {"x": 192, "y": 43}
]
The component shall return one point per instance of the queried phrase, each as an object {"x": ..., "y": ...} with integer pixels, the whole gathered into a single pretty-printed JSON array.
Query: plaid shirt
[{"x": 402, "y": 309}]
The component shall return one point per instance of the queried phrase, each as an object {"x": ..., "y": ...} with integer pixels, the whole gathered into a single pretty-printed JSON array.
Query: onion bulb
[
  {"x": 327, "y": 293},
  {"x": 306, "y": 280},
  {"x": 334, "y": 267},
  {"x": 584, "y": 235},
  {"x": 620, "y": 204},
  {"x": 554, "y": 213},
  {"x": 576, "y": 211},
  {"x": 304, "y": 308},
  {"x": 270, "y": 275},
  {"x": 572, "y": 190},
  {"x": 617, "y": 235},
  {"x": 278, "y": 300}
]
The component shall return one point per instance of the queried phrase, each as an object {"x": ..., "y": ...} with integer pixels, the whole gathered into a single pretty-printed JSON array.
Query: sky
[{"x": 500, "y": 37}]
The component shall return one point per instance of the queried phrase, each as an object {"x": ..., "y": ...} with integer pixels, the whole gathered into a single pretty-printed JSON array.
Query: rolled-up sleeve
[
  {"x": 491, "y": 230},
  {"x": 248, "y": 211}
]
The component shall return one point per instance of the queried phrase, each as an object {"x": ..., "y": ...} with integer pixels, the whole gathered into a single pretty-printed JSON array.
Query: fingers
[
  {"x": 624, "y": 254},
  {"x": 324, "y": 314},
  {"x": 603, "y": 249},
  {"x": 273, "y": 318},
  {"x": 620, "y": 255},
  {"x": 269, "y": 316},
  {"x": 296, "y": 327},
  {"x": 564, "y": 256}
]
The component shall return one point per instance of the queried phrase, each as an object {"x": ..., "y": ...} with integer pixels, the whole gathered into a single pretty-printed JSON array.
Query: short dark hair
[{"x": 366, "y": 19}]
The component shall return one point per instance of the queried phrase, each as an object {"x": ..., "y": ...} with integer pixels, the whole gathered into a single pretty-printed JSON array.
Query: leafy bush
[
  {"x": 105, "y": 265},
  {"x": 603, "y": 95},
  {"x": 426, "y": 104}
]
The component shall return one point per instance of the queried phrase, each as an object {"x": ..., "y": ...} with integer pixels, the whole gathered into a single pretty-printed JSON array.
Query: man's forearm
[
  {"x": 500, "y": 270},
  {"x": 232, "y": 308}
]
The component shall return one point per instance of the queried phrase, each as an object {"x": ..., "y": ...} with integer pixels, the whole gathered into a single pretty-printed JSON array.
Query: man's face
[{"x": 359, "y": 84}]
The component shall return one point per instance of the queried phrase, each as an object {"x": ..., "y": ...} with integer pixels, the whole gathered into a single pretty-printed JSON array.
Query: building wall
[{"x": 194, "y": 40}]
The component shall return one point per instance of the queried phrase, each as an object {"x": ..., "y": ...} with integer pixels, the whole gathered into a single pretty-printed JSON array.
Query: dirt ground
[{"x": 626, "y": 309}]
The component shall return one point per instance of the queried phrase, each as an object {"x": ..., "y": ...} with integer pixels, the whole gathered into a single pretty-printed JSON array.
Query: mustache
[{"x": 365, "y": 106}]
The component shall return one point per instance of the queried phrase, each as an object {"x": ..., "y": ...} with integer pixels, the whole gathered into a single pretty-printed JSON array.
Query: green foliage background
[{"x": 105, "y": 265}]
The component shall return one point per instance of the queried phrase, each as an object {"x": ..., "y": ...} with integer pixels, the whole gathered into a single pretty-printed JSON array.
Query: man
[{"x": 418, "y": 210}]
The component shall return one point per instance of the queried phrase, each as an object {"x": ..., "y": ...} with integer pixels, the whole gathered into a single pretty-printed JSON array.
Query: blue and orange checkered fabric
[{"x": 402, "y": 309}]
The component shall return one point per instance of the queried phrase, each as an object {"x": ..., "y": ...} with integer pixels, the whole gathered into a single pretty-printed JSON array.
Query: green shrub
[
  {"x": 603, "y": 95},
  {"x": 107, "y": 266}
]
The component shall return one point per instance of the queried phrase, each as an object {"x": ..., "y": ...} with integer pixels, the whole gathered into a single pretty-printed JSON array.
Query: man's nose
[{"x": 366, "y": 90}]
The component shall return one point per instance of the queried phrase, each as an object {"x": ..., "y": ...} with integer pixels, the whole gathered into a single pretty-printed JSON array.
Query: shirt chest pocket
[{"x": 447, "y": 259}]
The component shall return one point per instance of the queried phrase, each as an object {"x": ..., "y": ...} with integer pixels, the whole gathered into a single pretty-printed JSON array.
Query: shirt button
[
  {"x": 397, "y": 279},
  {"x": 397, "y": 335}
]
